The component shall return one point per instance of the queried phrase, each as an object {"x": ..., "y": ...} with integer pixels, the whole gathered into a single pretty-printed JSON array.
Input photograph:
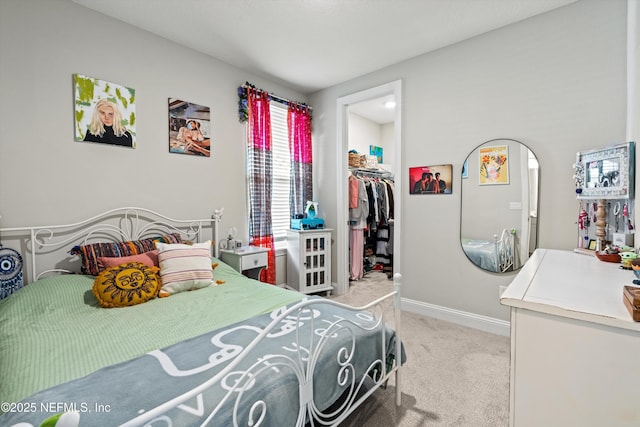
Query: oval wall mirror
[{"x": 499, "y": 205}]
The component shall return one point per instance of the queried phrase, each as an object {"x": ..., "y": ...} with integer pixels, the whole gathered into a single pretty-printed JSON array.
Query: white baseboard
[{"x": 471, "y": 320}]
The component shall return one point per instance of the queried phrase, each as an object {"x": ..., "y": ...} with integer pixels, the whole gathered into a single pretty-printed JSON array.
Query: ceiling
[{"x": 309, "y": 45}]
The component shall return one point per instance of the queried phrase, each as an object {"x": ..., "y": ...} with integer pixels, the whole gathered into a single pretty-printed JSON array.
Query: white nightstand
[{"x": 248, "y": 260}]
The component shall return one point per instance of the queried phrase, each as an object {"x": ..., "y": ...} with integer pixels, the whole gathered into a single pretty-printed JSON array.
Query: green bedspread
[{"x": 53, "y": 330}]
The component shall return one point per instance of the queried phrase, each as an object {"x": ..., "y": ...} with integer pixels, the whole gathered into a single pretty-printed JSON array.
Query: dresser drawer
[{"x": 254, "y": 261}]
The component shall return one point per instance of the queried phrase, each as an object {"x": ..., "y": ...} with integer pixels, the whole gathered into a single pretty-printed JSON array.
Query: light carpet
[{"x": 454, "y": 375}]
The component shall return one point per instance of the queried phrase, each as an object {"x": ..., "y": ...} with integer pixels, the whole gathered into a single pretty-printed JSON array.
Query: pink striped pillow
[
  {"x": 150, "y": 259},
  {"x": 185, "y": 267}
]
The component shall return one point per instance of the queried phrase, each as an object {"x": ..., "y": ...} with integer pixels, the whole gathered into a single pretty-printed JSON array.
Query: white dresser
[
  {"x": 309, "y": 260},
  {"x": 574, "y": 348}
]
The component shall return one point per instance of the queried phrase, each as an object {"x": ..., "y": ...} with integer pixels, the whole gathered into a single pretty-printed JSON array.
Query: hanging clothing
[
  {"x": 358, "y": 222},
  {"x": 356, "y": 253},
  {"x": 358, "y": 216},
  {"x": 370, "y": 210},
  {"x": 353, "y": 192},
  {"x": 383, "y": 206},
  {"x": 390, "y": 198}
]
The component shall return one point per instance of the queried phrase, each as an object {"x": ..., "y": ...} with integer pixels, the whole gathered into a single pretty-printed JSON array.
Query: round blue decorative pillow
[{"x": 10, "y": 271}]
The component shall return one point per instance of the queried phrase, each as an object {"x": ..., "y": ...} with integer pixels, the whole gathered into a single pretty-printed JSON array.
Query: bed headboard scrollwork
[{"x": 45, "y": 249}]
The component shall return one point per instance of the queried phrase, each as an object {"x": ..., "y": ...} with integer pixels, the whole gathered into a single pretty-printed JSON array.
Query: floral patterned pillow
[{"x": 91, "y": 252}]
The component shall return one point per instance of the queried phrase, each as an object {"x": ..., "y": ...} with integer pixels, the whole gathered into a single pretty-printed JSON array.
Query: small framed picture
[
  {"x": 189, "y": 128},
  {"x": 465, "y": 169},
  {"x": 494, "y": 166},
  {"x": 376, "y": 151},
  {"x": 592, "y": 244},
  {"x": 430, "y": 179}
]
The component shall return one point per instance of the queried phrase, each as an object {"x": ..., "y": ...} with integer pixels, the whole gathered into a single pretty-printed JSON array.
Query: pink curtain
[
  {"x": 300, "y": 150},
  {"x": 260, "y": 165}
]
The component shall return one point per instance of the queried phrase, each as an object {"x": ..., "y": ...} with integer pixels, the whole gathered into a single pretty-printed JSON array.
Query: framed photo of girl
[
  {"x": 105, "y": 112},
  {"x": 189, "y": 128}
]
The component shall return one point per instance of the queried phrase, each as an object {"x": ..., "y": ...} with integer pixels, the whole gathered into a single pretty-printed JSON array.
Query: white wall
[
  {"x": 47, "y": 177},
  {"x": 555, "y": 82},
  {"x": 364, "y": 132},
  {"x": 388, "y": 140}
]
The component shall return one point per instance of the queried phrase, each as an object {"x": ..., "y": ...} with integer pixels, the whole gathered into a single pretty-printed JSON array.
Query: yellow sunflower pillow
[{"x": 126, "y": 284}]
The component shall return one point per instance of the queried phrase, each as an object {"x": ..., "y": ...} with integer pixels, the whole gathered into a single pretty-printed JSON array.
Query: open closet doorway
[{"x": 346, "y": 107}]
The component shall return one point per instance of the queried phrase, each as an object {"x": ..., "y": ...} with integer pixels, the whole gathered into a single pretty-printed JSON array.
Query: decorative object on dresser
[
  {"x": 604, "y": 180},
  {"x": 309, "y": 260},
  {"x": 631, "y": 299},
  {"x": 605, "y": 173},
  {"x": 219, "y": 355}
]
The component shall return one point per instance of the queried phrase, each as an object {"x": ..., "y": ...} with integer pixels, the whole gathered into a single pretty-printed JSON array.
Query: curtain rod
[{"x": 278, "y": 98}]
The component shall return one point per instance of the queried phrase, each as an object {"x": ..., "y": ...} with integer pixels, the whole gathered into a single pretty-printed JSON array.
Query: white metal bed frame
[
  {"x": 120, "y": 224},
  {"x": 131, "y": 223},
  {"x": 505, "y": 250}
]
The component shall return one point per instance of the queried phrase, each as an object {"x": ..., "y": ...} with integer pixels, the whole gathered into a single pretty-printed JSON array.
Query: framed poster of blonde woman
[{"x": 105, "y": 112}]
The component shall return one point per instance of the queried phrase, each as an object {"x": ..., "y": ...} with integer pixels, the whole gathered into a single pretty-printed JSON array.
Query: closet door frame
[{"x": 342, "y": 141}]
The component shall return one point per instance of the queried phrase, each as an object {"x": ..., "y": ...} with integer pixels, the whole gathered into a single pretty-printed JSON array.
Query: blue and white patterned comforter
[{"x": 313, "y": 354}]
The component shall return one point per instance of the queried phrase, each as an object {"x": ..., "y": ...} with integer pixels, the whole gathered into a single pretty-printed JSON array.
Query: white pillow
[{"x": 185, "y": 267}]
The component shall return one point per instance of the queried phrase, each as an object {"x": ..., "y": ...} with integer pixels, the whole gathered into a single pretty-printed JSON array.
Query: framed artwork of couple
[{"x": 431, "y": 179}]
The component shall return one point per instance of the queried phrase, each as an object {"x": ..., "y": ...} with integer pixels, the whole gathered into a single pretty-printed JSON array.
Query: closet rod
[{"x": 371, "y": 172}]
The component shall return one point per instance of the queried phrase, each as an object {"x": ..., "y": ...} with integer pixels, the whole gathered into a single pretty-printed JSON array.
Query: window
[
  {"x": 276, "y": 166},
  {"x": 280, "y": 215}
]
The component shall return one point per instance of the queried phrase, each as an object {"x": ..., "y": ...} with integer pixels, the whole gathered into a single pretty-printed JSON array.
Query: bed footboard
[{"x": 325, "y": 351}]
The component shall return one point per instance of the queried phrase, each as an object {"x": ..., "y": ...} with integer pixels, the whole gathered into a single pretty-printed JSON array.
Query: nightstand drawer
[{"x": 254, "y": 261}]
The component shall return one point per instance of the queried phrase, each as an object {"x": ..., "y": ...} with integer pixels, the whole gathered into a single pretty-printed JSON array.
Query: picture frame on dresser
[{"x": 606, "y": 173}]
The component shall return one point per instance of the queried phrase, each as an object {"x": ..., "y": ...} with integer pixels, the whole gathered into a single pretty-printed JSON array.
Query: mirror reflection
[
  {"x": 499, "y": 205},
  {"x": 603, "y": 173}
]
